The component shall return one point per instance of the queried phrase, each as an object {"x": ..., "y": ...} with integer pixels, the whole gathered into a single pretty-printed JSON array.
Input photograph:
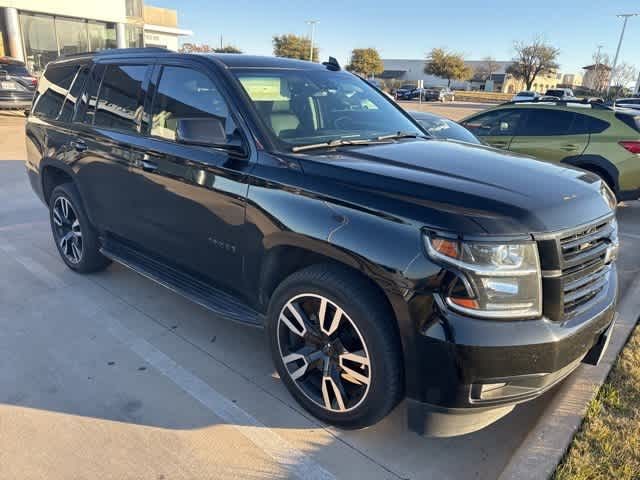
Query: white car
[{"x": 525, "y": 96}]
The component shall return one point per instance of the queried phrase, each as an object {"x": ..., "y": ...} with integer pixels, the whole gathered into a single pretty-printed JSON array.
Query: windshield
[
  {"x": 14, "y": 69},
  {"x": 447, "y": 129},
  {"x": 302, "y": 107},
  {"x": 555, "y": 93},
  {"x": 525, "y": 94}
]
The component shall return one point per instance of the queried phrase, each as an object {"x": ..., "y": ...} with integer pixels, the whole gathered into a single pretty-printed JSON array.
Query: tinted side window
[
  {"x": 120, "y": 102},
  {"x": 184, "y": 93},
  {"x": 495, "y": 124},
  {"x": 88, "y": 99},
  {"x": 543, "y": 122},
  {"x": 52, "y": 89},
  {"x": 69, "y": 104},
  {"x": 583, "y": 124}
]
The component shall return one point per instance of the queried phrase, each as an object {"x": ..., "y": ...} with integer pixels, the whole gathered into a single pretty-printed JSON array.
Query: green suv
[{"x": 592, "y": 136}]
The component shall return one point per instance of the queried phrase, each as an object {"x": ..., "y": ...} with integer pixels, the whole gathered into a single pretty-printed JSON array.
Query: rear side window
[
  {"x": 583, "y": 124},
  {"x": 121, "y": 100},
  {"x": 184, "y": 93},
  {"x": 497, "y": 123},
  {"x": 631, "y": 120},
  {"x": 52, "y": 90},
  {"x": 546, "y": 123},
  {"x": 69, "y": 104}
]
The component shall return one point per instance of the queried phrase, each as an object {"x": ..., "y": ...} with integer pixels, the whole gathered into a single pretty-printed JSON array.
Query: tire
[
  {"x": 330, "y": 377},
  {"x": 81, "y": 249}
]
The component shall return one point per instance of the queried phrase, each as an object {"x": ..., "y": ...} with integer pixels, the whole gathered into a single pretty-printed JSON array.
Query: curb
[{"x": 545, "y": 445}]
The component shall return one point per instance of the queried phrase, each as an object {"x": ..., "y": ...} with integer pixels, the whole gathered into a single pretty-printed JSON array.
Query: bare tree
[
  {"x": 486, "y": 68},
  {"x": 533, "y": 59},
  {"x": 622, "y": 77},
  {"x": 602, "y": 70}
]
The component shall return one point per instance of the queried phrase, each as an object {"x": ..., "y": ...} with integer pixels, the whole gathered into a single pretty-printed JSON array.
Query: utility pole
[
  {"x": 615, "y": 59},
  {"x": 312, "y": 23}
]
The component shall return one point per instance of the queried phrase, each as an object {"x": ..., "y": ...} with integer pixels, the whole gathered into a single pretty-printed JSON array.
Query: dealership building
[{"x": 38, "y": 31}]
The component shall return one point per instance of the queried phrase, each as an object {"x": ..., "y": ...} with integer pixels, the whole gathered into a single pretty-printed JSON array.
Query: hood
[{"x": 461, "y": 187}]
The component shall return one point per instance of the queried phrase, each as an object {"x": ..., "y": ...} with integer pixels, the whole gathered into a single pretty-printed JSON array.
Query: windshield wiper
[
  {"x": 398, "y": 135},
  {"x": 339, "y": 142}
]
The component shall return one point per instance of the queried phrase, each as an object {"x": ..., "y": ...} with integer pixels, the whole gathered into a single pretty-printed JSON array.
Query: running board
[{"x": 211, "y": 298}]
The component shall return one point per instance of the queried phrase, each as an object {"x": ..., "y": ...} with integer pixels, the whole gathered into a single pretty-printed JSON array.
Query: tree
[
  {"x": 602, "y": 71},
  {"x": 447, "y": 65},
  {"x": 486, "y": 68},
  {"x": 365, "y": 61},
  {"x": 533, "y": 59},
  {"x": 621, "y": 76},
  {"x": 227, "y": 49},
  {"x": 293, "y": 46}
]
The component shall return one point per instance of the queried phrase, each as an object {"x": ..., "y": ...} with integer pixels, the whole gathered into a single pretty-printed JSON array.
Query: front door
[
  {"x": 496, "y": 128},
  {"x": 190, "y": 202}
]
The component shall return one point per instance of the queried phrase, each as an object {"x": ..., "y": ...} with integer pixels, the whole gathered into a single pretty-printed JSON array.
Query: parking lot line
[
  {"x": 629, "y": 235},
  {"x": 291, "y": 459}
]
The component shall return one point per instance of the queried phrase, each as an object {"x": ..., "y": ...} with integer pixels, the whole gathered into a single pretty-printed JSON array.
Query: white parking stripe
[
  {"x": 629, "y": 235},
  {"x": 50, "y": 279},
  {"x": 288, "y": 457}
]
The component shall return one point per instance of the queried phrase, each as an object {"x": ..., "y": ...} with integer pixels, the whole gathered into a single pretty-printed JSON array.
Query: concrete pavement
[{"x": 112, "y": 376}]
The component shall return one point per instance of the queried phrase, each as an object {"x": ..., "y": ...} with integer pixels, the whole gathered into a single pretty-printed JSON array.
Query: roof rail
[
  {"x": 115, "y": 51},
  {"x": 594, "y": 103}
]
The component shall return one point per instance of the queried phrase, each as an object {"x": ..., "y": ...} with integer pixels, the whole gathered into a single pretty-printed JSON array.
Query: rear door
[
  {"x": 552, "y": 135},
  {"x": 496, "y": 127},
  {"x": 107, "y": 122}
]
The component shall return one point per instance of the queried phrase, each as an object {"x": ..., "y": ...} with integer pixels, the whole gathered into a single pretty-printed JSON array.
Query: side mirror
[{"x": 205, "y": 132}]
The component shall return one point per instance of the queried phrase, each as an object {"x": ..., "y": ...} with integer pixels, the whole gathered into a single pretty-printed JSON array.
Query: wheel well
[
  {"x": 51, "y": 178},
  {"x": 283, "y": 261},
  {"x": 602, "y": 173}
]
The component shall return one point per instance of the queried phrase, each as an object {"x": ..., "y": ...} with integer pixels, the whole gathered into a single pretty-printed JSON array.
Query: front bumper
[{"x": 476, "y": 369}]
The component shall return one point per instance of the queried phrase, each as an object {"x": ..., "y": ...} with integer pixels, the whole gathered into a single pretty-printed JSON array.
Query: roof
[
  {"x": 593, "y": 67},
  {"x": 240, "y": 60}
]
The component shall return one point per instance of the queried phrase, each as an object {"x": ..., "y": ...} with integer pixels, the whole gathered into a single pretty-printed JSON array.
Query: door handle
[
  {"x": 499, "y": 144},
  {"x": 78, "y": 145},
  {"x": 569, "y": 147},
  {"x": 149, "y": 166}
]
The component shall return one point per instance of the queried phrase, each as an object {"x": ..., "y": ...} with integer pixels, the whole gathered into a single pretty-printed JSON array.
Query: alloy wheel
[
  {"x": 323, "y": 352},
  {"x": 67, "y": 230}
]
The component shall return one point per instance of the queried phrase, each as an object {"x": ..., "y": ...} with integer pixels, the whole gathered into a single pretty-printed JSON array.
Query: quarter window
[
  {"x": 120, "y": 102},
  {"x": 184, "y": 93}
]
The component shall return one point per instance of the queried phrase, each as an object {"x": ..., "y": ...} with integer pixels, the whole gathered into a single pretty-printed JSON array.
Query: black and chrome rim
[
  {"x": 67, "y": 229},
  {"x": 324, "y": 352}
]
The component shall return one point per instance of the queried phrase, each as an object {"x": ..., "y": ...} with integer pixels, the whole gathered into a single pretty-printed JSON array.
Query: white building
[
  {"x": 161, "y": 28},
  {"x": 38, "y": 31}
]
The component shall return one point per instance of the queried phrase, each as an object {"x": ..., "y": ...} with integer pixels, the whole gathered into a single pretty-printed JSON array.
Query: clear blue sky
[{"x": 410, "y": 29}]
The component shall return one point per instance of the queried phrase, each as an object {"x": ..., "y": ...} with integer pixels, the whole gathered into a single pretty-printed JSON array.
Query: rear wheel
[
  {"x": 76, "y": 239},
  {"x": 334, "y": 346}
]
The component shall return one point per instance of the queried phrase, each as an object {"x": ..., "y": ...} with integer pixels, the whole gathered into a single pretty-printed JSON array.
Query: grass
[{"x": 608, "y": 444}]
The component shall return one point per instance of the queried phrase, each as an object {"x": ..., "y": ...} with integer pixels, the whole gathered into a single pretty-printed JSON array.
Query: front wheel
[{"x": 335, "y": 347}]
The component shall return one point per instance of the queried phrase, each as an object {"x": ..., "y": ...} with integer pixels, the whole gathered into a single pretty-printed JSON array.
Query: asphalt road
[{"x": 112, "y": 376}]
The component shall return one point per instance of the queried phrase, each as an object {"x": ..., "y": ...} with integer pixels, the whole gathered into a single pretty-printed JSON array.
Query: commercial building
[
  {"x": 411, "y": 71},
  {"x": 161, "y": 28},
  {"x": 38, "y": 31}
]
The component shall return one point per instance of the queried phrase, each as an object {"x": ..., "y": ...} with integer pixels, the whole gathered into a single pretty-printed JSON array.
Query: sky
[{"x": 410, "y": 29}]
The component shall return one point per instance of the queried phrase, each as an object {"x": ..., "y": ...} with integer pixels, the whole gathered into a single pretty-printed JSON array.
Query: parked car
[
  {"x": 440, "y": 94},
  {"x": 405, "y": 91},
  {"x": 525, "y": 96},
  {"x": 292, "y": 196},
  {"x": 441, "y": 127},
  {"x": 632, "y": 102},
  {"x": 591, "y": 136},
  {"x": 17, "y": 86},
  {"x": 559, "y": 94}
]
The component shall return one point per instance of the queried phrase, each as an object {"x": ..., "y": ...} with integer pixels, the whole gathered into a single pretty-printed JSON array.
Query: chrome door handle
[
  {"x": 78, "y": 145},
  {"x": 149, "y": 166},
  {"x": 569, "y": 147}
]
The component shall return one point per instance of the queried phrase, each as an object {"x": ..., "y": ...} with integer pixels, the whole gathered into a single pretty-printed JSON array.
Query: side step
[{"x": 211, "y": 298}]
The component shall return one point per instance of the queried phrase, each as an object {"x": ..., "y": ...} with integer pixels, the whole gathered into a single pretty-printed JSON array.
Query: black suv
[{"x": 296, "y": 197}]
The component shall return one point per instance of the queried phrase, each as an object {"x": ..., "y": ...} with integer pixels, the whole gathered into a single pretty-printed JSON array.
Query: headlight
[
  {"x": 608, "y": 195},
  {"x": 502, "y": 280}
]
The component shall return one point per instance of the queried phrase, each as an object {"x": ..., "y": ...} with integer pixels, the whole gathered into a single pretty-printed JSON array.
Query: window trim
[
  {"x": 218, "y": 83},
  {"x": 80, "y": 66}
]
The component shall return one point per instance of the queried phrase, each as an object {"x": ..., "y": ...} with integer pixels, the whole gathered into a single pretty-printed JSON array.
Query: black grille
[{"x": 579, "y": 272}]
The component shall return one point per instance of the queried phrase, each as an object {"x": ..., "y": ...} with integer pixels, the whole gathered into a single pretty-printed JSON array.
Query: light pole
[
  {"x": 313, "y": 29},
  {"x": 615, "y": 59}
]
